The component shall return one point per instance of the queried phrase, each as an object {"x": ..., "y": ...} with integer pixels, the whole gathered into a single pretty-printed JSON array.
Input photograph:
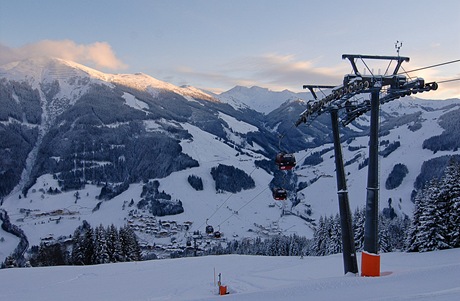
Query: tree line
[
  {"x": 436, "y": 220},
  {"x": 89, "y": 246}
]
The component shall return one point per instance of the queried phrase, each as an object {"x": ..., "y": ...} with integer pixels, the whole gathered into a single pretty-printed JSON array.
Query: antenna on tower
[{"x": 398, "y": 46}]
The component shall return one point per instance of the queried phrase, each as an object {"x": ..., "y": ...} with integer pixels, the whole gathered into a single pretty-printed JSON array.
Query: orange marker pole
[{"x": 370, "y": 265}]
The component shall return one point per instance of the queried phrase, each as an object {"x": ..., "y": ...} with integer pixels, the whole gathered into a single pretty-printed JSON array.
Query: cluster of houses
[
  {"x": 151, "y": 225},
  {"x": 270, "y": 230}
]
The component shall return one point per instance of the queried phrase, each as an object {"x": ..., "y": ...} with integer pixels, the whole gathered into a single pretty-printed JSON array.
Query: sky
[{"x": 216, "y": 45}]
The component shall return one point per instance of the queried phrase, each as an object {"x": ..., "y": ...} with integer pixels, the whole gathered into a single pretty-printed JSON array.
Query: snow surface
[
  {"x": 236, "y": 125},
  {"x": 133, "y": 102},
  {"x": 404, "y": 276}
]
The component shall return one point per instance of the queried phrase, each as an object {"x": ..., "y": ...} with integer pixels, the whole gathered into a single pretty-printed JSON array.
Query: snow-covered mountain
[
  {"x": 259, "y": 99},
  {"x": 79, "y": 144}
]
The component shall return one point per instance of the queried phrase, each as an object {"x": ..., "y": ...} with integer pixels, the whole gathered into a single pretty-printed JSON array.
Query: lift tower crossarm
[
  {"x": 313, "y": 87},
  {"x": 352, "y": 57}
]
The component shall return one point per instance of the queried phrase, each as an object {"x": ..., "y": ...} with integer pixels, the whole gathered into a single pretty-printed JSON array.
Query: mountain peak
[
  {"x": 44, "y": 69},
  {"x": 258, "y": 98}
]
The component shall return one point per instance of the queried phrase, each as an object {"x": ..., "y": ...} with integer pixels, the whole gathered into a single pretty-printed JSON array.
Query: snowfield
[{"x": 404, "y": 276}]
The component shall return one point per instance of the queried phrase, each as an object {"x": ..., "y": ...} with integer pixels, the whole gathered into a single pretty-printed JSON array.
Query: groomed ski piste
[{"x": 404, "y": 276}]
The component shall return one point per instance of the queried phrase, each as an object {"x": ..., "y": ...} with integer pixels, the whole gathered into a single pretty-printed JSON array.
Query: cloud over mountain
[{"x": 97, "y": 54}]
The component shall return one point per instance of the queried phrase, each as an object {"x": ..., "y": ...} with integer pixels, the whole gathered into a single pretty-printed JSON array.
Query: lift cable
[
  {"x": 255, "y": 197},
  {"x": 247, "y": 203},
  {"x": 432, "y": 66},
  {"x": 221, "y": 205},
  {"x": 280, "y": 137},
  {"x": 448, "y": 81}
]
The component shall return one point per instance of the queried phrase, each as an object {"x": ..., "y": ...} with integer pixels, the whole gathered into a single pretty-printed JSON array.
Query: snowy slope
[
  {"x": 410, "y": 153},
  {"x": 404, "y": 276},
  {"x": 234, "y": 214}
]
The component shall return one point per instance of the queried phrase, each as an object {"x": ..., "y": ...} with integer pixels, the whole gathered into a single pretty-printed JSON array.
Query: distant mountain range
[{"x": 79, "y": 144}]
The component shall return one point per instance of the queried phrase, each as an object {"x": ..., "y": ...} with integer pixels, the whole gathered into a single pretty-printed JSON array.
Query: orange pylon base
[
  {"x": 370, "y": 265},
  {"x": 223, "y": 290}
]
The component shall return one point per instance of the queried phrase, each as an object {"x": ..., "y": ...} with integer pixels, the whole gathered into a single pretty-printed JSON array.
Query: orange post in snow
[
  {"x": 370, "y": 265},
  {"x": 222, "y": 290}
]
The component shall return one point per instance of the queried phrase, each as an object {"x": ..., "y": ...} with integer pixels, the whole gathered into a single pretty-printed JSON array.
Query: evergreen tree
[
  {"x": 259, "y": 247},
  {"x": 449, "y": 202},
  {"x": 335, "y": 241},
  {"x": 358, "y": 228},
  {"x": 50, "y": 255},
  {"x": 114, "y": 245},
  {"x": 384, "y": 236},
  {"x": 295, "y": 246},
  {"x": 88, "y": 245},
  {"x": 129, "y": 244},
  {"x": 432, "y": 234},
  {"x": 412, "y": 242},
  {"x": 76, "y": 256},
  {"x": 397, "y": 231},
  {"x": 100, "y": 254},
  {"x": 436, "y": 217},
  {"x": 320, "y": 237}
]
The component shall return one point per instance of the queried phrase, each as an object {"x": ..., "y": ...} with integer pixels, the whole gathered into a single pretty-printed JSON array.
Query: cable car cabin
[
  {"x": 279, "y": 194},
  {"x": 285, "y": 161},
  {"x": 209, "y": 229},
  {"x": 217, "y": 234}
]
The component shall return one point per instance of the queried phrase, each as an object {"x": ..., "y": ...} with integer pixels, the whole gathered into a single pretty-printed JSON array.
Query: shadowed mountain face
[{"x": 85, "y": 126}]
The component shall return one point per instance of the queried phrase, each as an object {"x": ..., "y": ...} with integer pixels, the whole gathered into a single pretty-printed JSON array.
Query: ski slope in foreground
[{"x": 405, "y": 276}]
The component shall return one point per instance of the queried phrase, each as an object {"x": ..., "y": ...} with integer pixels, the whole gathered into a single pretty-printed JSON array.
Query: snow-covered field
[{"x": 404, "y": 276}]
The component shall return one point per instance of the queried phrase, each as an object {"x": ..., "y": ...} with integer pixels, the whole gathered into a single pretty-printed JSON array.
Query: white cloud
[
  {"x": 274, "y": 71},
  {"x": 99, "y": 54}
]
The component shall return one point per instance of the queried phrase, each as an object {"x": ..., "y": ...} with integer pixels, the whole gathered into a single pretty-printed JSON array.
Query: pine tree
[
  {"x": 397, "y": 231},
  {"x": 50, "y": 255},
  {"x": 100, "y": 254},
  {"x": 77, "y": 255},
  {"x": 335, "y": 241},
  {"x": 320, "y": 237},
  {"x": 384, "y": 236},
  {"x": 294, "y": 246},
  {"x": 358, "y": 228},
  {"x": 88, "y": 246},
  {"x": 412, "y": 242},
  {"x": 450, "y": 198},
  {"x": 114, "y": 245},
  {"x": 129, "y": 244},
  {"x": 432, "y": 234}
]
